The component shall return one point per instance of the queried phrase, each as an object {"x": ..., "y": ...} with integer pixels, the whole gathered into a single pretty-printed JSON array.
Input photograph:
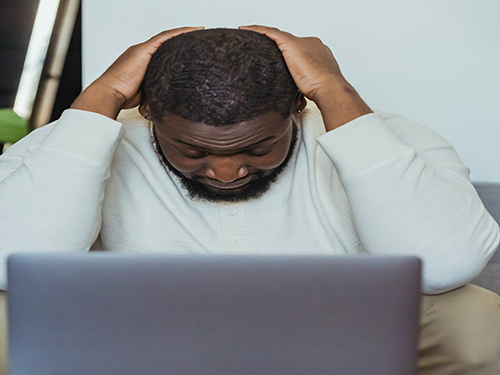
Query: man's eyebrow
[{"x": 243, "y": 148}]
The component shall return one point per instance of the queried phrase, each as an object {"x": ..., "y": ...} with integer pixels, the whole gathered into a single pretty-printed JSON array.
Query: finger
[
  {"x": 160, "y": 38},
  {"x": 273, "y": 33}
]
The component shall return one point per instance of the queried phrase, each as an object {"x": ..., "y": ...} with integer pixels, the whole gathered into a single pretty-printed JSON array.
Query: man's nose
[{"x": 226, "y": 169}]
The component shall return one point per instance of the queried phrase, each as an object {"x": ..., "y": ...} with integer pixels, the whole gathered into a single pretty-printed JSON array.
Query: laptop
[{"x": 121, "y": 314}]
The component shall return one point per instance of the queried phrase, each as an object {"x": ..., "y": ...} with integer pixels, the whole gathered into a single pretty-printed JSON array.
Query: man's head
[{"x": 222, "y": 102}]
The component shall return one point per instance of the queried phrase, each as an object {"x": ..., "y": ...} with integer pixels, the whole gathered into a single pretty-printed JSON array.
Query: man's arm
[
  {"x": 52, "y": 185},
  {"x": 410, "y": 195},
  {"x": 408, "y": 190},
  {"x": 52, "y": 182}
]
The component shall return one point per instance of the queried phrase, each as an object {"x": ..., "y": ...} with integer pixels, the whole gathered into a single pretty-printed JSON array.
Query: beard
[{"x": 254, "y": 189}]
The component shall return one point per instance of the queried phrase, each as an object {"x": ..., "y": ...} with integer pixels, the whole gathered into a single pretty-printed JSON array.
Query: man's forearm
[
  {"x": 411, "y": 199},
  {"x": 52, "y": 185}
]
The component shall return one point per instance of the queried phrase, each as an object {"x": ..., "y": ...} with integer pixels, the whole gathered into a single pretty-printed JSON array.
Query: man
[{"x": 231, "y": 158}]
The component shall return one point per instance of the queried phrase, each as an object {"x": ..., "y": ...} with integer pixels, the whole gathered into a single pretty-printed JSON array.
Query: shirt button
[
  {"x": 236, "y": 241},
  {"x": 232, "y": 211}
]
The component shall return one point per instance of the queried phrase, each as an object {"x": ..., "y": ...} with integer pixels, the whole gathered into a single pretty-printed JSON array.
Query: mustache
[{"x": 255, "y": 175}]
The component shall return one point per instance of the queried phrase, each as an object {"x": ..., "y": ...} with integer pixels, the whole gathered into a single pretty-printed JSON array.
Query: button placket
[
  {"x": 234, "y": 230},
  {"x": 236, "y": 241}
]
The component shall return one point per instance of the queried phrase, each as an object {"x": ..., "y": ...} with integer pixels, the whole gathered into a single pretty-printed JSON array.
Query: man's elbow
[{"x": 459, "y": 269}]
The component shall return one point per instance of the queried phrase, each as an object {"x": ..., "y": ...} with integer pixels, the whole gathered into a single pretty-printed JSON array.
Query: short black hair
[{"x": 218, "y": 77}]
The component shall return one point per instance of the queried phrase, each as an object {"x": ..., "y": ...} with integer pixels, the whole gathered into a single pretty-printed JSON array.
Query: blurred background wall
[
  {"x": 40, "y": 63},
  {"x": 16, "y": 22}
]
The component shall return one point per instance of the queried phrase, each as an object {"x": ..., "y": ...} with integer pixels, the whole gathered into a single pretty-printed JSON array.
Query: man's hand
[
  {"x": 118, "y": 87},
  {"x": 318, "y": 76}
]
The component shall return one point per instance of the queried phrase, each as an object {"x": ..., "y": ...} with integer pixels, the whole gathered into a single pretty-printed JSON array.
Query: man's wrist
[
  {"x": 339, "y": 104},
  {"x": 103, "y": 102}
]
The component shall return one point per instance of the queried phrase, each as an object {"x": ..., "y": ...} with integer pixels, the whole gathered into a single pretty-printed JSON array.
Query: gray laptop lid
[{"x": 116, "y": 314}]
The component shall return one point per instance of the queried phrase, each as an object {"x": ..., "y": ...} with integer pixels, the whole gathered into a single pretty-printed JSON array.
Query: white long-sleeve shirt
[{"x": 380, "y": 184}]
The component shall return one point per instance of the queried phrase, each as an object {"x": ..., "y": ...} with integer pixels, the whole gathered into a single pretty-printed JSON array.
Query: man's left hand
[{"x": 317, "y": 75}]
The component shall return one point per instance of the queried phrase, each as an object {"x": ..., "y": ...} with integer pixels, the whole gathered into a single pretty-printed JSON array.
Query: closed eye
[
  {"x": 258, "y": 153},
  {"x": 201, "y": 155},
  {"x": 198, "y": 155}
]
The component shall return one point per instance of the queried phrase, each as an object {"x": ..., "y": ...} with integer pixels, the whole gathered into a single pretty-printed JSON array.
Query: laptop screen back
[{"x": 111, "y": 314}]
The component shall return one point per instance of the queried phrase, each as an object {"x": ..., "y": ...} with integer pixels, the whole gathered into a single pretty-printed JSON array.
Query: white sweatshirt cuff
[
  {"x": 86, "y": 134},
  {"x": 361, "y": 145}
]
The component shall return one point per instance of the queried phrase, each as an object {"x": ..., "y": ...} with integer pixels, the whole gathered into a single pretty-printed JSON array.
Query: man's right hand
[{"x": 118, "y": 87}]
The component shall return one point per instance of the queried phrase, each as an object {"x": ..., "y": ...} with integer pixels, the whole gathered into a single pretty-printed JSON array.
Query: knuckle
[
  {"x": 134, "y": 48},
  {"x": 315, "y": 39}
]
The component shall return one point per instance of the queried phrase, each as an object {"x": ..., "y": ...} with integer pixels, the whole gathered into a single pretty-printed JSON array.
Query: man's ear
[
  {"x": 145, "y": 111},
  {"x": 300, "y": 103}
]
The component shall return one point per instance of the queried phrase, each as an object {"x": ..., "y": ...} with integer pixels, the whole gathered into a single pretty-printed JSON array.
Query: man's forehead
[{"x": 259, "y": 129}]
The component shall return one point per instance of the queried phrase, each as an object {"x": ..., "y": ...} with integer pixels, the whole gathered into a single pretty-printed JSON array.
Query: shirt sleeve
[
  {"x": 410, "y": 194},
  {"x": 52, "y": 185}
]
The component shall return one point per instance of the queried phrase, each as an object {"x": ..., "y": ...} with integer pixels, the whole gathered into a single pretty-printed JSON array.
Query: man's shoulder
[
  {"x": 410, "y": 132},
  {"x": 131, "y": 118},
  {"x": 136, "y": 129},
  {"x": 312, "y": 122}
]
